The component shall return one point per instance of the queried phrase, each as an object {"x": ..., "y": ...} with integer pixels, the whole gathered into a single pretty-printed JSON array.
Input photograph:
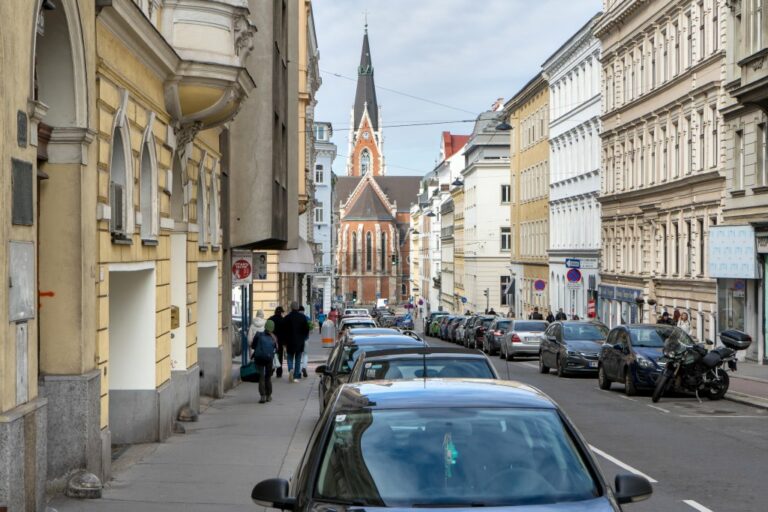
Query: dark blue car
[{"x": 631, "y": 355}]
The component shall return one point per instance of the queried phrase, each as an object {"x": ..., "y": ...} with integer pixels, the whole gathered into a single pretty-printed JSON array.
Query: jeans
[{"x": 294, "y": 364}]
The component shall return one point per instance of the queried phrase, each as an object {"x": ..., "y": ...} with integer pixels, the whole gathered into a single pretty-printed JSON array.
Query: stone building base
[
  {"x": 23, "y": 457},
  {"x": 74, "y": 433},
  {"x": 211, "y": 360},
  {"x": 185, "y": 389},
  {"x": 140, "y": 415}
]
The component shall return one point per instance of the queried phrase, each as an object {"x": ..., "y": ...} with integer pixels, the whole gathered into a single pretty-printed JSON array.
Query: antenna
[{"x": 365, "y": 15}]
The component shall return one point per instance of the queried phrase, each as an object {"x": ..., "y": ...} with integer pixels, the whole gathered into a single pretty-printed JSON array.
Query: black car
[
  {"x": 479, "y": 328},
  {"x": 468, "y": 330},
  {"x": 446, "y": 444},
  {"x": 494, "y": 334},
  {"x": 343, "y": 356},
  {"x": 426, "y": 362},
  {"x": 631, "y": 356},
  {"x": 571, "y": 347}
]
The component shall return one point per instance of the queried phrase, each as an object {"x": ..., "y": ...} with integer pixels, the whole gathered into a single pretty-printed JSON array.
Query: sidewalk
[
  {"x": 213, "y": 466},
  {"x": 749, "y": 385}
]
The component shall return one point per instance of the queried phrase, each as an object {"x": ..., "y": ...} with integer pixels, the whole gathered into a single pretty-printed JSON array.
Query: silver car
[{"x": 522, "y": 339}]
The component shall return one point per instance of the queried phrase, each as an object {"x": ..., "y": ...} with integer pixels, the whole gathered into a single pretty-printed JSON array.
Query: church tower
[{"x": 365, "y": 153}]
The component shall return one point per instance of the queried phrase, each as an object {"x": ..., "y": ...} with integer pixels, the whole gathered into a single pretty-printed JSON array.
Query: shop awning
[{"x": 297, "y": 261}]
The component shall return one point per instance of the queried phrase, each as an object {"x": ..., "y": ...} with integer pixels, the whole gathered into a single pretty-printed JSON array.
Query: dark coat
[
  {"x": 293, "y": 332},
  {"x": 277, "y": 320}
]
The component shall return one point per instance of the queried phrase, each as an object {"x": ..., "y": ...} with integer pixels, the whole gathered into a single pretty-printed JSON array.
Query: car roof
[
  {"x": 386, "y": 338},
  {"x": 579, "y": 322},
  {"x": 418, "y": 352},
  {"x": 372, "y": 330},
  {"x": 349, "y": 319},
  {"x": 434, "y": 393}
]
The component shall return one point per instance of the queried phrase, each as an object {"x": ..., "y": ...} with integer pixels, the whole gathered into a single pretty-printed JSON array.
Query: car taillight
[{"x": 516, "y": 339}]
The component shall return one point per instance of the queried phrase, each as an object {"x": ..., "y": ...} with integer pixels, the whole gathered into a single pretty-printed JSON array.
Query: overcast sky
[{"x": 460, "y": 53}]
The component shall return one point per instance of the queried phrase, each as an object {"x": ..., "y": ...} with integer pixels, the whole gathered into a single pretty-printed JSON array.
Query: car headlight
[
  {"x": 643, "y": 362},
  {"x": 571, "y": 353}
]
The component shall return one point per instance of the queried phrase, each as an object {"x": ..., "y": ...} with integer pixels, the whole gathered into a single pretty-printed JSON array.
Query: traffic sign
[
  {"x": 463, "y": 300},
  {"x": 573, "y": 275},
  {"x": 572, "y": 262},
  {"x": 242, "y": 268},
  {"x": 539, "y": 285}
]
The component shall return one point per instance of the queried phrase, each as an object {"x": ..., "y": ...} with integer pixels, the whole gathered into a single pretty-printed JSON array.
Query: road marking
[
  {"x": 532, "y": 365},
  {"x": 697, "y": 506},
  {"x": 718, "y": 416},
  {"x": 657, "y": 408},
  {"x": 622, "y": 465},
  {"x": 625, "y": 397}
]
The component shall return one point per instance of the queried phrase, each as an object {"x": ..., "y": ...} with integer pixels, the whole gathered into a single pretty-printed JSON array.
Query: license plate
[{"x": 593, "y": 364}]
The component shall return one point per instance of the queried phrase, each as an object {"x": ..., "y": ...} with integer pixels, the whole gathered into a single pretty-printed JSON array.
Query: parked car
[
  {"x": 479, "y": 327},
  {"x": 437, "y": 325},
  {"x": 571, "y": 347},
  {"x": 522, "y": 339},
  {"x": 342, "y": 358},
  {"x": 429, "y": 319},
  {"x": 458, "y": 336},
  {"x": 454, "y": 327},
  {"x": 356, "y": 312},
  {"x": 447, "y": 444},
  {"x": 444, "y": 323},
  {"x": 422, "y": 362},
  {"x": 494, "y": 334},
  {"x": 468, "y": 330},
  {"x": 366, "y": 331},
  {"x": 631, "y": 356},
  {"x": 354, "y": 322},
  {"x": 404, "y": 322}
]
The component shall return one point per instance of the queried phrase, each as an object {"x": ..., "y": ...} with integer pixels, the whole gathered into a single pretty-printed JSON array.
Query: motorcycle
[{"x": 690, "y": 367}]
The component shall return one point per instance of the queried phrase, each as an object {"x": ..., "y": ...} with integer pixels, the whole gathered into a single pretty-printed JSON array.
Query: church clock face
[{"x": 366, "y": 135}]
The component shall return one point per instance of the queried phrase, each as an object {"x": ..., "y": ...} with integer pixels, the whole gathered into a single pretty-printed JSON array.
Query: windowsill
[
  {"x": 121, "y": 239},
  {"x": 762, "y": 189},
  {"x": 151, "y": 242},
  {"x": 738, "y": 193},
  {"x": 215, "y": 248},
  {"x": 202, "y": 248}
]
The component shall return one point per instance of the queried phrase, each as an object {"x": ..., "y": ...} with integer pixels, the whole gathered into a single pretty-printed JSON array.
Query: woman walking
[
  {"x": 264, "y": 345},
  {"x": 684, "y": 323}
]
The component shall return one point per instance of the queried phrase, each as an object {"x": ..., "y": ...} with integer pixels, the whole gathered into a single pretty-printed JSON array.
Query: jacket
[
  {"x": 277, "y": 320},
  {"x": 293, "y": 332}
]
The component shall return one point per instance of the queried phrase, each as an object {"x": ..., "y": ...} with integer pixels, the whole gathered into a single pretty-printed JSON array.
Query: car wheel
[
  {"x": 542, "y": 367},
  {"x": 560, "y": 370},
  {"x": 602, "y": 379},
  {"x": 629, "y": 384}
]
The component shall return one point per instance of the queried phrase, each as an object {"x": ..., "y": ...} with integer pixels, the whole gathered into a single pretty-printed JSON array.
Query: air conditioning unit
[{"x": 117, "y": 203}]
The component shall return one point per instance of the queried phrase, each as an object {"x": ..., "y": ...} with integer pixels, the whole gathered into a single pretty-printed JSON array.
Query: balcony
[
  {"x": 446, "y": 232},
  {"x": 199, "y": 51}
]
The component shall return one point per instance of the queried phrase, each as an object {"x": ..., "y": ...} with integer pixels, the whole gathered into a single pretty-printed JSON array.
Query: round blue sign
[
  {"x": 539, "y": 285},
  {"x": 463, "y": 300},
  {"x": 573, "y": 275}
]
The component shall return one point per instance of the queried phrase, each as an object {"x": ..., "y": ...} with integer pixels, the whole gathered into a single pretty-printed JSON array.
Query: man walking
[
  {"x": 561, "y": 315},
  {"x": 277, "y": 320},
  {"x": 294, "y": 330},
  {"x": 536, "y": 315}
]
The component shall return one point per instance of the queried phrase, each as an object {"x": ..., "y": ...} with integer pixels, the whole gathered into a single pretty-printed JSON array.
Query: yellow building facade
[{"x": 528, "y": 115}]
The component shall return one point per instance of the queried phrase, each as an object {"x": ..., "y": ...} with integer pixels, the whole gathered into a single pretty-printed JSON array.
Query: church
[{"x": 373, "y": 249}]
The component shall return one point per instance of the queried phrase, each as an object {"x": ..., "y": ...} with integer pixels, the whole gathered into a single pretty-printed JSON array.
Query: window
[
  {"x": 676, "y": 150},
  {"x": 202, "y": 235},
  {"x": 653, "y": 63},
  {"x": 506, "y": 239},
  {"x": 700, "y": 236},
  {"x": 365, "y": 162},
  {"x": 319, "y": 132},
  {"x": 504, "y": 282},
  {"x": 756, "y": 27},
  {"x": 701, "y": 150},
  {"x": 663, "y": 251},
  {"x": 118, "y": 191},
  {"x": 702, "y": 39},
  {"x": 505, "y": 194},
  {"x": 368, "y": 252},
  {"x": 715, "y": 28},
  {"x": 664, "y": 154},
  {"x": 319, "y": 174},
  {"x": 675, "y": 235},
  {"x": 689, "y": 248},
  {"x": 319, "y": 213},
  {"x": 713, "y": 141},
  {"x": 762, "y": 158},
  {"x": 689, "y": 144},
  {"x": 738, "y": 174},
  {"x": 664, "y": 55},
  {"x": 652, "y": 173},
  {"x": 354, "y": 251},
  {"x": 148, "y": 190},
  {"x": 213, "y": 210},
  {"x": 676, "y": 63},
  {"x": 383, "y": 252},
  {"x": 689, "y": 36}
]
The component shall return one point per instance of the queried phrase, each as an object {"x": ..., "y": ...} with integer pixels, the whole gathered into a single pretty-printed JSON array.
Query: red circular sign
[
  {"x": 573, "y": 275},
  {"x": 241, "y": 269},
  {"x": 591, "y": 308},
  {"x": 539, "y": 285}
]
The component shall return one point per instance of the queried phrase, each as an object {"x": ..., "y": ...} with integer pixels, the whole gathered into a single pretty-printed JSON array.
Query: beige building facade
[
  {"x": 662, "y": 161},
  {"x": 528, "y": 115}
]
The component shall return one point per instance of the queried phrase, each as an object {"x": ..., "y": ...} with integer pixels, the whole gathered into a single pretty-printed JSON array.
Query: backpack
[{"x": 263, "y": 348}]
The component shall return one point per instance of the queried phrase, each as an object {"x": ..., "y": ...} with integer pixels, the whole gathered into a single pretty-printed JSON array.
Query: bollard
[{"x": 328, "y": 333}]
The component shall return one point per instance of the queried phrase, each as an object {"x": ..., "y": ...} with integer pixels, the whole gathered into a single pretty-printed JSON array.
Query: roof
[
  {"x": 401, "y": 190},
  {"x": 453, "y": 143},
  {"x": 365, "y": 96},
  {"x": 432, "y": 393},
  {"x": 368, "y": 206}
]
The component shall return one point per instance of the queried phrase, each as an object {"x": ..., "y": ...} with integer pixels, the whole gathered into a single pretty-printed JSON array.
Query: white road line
[
  {"x": 532, "y": 365},
  {"x": 625, "y": 397},
  {"x": 718, "y": 416},
  {"x": 697, "y": 506},
  {"x": 622, "y": 465},
  {"x": 657, "y": 408}
]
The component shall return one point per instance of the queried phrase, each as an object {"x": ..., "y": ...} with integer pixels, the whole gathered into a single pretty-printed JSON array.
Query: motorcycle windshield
[{"x": 677, "y": 343}]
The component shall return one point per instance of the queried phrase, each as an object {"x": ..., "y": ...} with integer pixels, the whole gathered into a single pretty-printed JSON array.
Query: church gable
[{"x": 368, "y": 201}]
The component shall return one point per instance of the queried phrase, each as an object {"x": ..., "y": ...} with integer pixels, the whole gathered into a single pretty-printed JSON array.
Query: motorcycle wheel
[
  {"x": 718, "y": 391},
  {"x": 661, "y": 387}
]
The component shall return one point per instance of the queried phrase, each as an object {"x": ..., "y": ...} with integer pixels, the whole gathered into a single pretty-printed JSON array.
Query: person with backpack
[{"x": 264, "y": 346}]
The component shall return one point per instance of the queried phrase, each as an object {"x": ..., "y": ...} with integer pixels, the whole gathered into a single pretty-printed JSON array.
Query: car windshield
[
  {"x": 451, "y": 457},
  {"x": 358, "y": 325},
  {"x": 352, "y": 352},
  {"x": 503, "y": 326},
  {"x": 530, "y": 326},
  {"x": 486, "y": 322},
  {"x": 651, "y": 336},
  {"x": 447, "y": 367},
  {"x": 585, "y": 332}
]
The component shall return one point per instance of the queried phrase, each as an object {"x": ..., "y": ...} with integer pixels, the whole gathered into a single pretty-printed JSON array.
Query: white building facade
[
  {"x": 324, "y": 229},
  {"x": 574, "y": 212}
]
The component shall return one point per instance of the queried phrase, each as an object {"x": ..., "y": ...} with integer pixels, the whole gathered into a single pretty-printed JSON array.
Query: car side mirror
[
  {"x": 321, "y": 370},
  {"x": 553, "y": 339},
  {"x": 619, "y": 347},
  {"x": 273, "y": 493},
  {"x": 632, "y": 488}
]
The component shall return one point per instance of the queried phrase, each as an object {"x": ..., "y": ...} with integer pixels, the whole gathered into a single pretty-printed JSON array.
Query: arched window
[
  {"x": 213, "y": 209},
  {"x": 148, "y": 191},
  {"x": 383, "y": 251},
  {"x": 365, "y": 162},
  {"x": 177, "y": 191},
  {"x": 368, "y": 251},
  {"x": 120, "y": 176},
  {"x": 201, "y": 206},
  {"x": 354, "y": 251}
]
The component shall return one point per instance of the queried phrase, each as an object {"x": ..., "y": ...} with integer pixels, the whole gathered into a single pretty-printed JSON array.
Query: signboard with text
[
  {"x": 732, "y": 252},
  {"x": 242, "y": 268}
]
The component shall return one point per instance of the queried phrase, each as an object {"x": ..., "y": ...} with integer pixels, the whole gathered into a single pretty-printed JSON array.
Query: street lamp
[
  {"x": 431, "y": 214},
  {"x": 503, "y": 126},
  {"x": 457, "y": 183}
]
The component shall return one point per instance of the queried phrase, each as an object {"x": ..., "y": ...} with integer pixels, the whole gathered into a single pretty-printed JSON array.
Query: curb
[
  {"x": 753, "y": 379},
  {"x": 745, "y": 399}
]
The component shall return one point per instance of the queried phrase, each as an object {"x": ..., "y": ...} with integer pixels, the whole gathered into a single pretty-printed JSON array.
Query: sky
[{"x": 462, "y": 54}]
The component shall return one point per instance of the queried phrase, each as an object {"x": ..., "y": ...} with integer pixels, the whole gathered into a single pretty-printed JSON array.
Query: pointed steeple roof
[{"x": 365, "y": 97}]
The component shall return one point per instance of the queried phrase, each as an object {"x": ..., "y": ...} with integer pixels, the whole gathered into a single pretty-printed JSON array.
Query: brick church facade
[{"x": 373, "y": 250}]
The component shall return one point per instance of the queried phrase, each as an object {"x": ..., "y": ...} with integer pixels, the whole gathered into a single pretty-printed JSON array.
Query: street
[{"x": 702, "y": 456}]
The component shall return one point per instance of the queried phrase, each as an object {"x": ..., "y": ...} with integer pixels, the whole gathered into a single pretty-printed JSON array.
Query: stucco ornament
[
  {"x": 244, "y": 32},
  {"x": 186, "y": 133}
]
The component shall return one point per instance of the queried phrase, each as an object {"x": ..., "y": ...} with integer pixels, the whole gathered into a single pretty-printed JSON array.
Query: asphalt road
[{"x": 708, "y": 456}]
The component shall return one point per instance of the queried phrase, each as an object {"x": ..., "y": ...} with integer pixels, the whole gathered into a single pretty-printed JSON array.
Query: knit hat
[
  {"x": 269, "y": 326},
  {"x": 259, "y": 323}
]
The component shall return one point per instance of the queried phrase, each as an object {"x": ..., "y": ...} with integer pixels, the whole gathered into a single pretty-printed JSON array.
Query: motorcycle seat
[
  {"x": 724, "y": 352},
  {"x": 712, "y": 359}
]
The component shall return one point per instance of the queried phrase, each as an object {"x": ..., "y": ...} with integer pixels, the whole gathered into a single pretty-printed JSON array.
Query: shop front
[{"x": 618, "y": 305}]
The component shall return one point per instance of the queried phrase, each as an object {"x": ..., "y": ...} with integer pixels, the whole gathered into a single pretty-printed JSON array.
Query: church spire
[{"x": 365, "y": 97}]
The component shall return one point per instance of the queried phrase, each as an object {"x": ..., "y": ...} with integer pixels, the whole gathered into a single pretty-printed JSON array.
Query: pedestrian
[
  {"x": 684, "y": 323},
  {"x": 320, "y": 320},
  {"x": 535, "y": 315},
  {"x": 264, "y": 346},
  {"x": 492, "y": 312},
  {"x": 304, "y": 355},
  {"x": 333, "y": 316},
  {"x": 675, "y": 317},
  {"x": 277, "y": 320},
  {"x": 292, "y": 333},
  {"x": 550, "y": 316},
  {"x": 576, "y": 317},
  {"x": 665, "y": 320},
  {"x": 252, "y": 328},
  {"x": 561, "y": 315}
]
